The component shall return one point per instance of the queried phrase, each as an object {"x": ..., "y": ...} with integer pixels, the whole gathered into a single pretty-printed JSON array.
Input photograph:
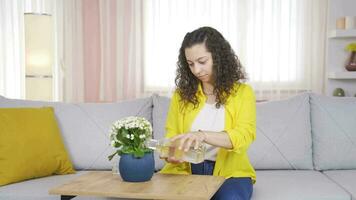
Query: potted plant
[
  {"x": 339, "y": 92},
  {"x": 128, "y": 137},
  {"x": 351, "y": 64}
]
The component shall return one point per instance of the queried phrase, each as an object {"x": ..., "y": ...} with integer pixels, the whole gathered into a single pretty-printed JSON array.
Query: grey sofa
[{"x": 305, "y": 147}]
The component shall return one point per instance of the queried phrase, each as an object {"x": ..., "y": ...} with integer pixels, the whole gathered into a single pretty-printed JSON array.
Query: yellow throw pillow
[{"x": 31, "y": 145}]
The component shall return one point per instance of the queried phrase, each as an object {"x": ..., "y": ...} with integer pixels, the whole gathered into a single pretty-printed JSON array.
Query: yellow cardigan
[{"x": 240, "y": 124}]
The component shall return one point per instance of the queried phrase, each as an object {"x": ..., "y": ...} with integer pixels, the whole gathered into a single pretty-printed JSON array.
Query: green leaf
[
  {"x": 117, "y": 145},
  {"x": 139, "y": 153},
  {"x": 112, "y": 155},
  {"x": 351, "y": 47},
  {"x": 146, "y": 150},
  {"x": 128, "y": 150}
]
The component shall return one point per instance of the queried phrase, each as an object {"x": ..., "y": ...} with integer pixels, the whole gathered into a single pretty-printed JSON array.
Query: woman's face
[{"x": 200, "y": 62}]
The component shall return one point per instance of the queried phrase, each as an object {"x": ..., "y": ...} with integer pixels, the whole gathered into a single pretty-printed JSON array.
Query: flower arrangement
[
  {"x": 351, "y": 47},
  {"x": 129, "y": 134}
]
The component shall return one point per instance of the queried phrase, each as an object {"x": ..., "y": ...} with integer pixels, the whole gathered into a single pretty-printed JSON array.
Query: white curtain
[
  {"x": 285, "y": 43},
  {"x": 165, "y": 26},
  {"x": 12, "y": 48},
  {"x": 130, "y": 49},
  {"x": 279, "y": 42},
  {"x": 69, "y": 60},
  {"x": 99, "y": 50},
  {"x": 12, "y": 43},
  {"x": 38, "y": 6}
]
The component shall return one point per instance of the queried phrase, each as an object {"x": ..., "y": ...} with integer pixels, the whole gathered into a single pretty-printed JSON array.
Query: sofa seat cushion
[
  {"x": 37, "y": 189},
  {"x": 296, "y": 185},
  {"x": 345, "y": 179}
]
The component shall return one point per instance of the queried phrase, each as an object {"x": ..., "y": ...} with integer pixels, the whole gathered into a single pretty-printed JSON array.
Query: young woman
[{"x": 212, "y": 106}]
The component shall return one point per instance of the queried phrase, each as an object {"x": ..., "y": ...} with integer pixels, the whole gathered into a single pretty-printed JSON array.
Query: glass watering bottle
[{"x": 166, "y": 149}]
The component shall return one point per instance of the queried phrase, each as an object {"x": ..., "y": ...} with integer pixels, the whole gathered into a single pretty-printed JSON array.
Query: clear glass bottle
[{"x": 166, "y": 149}]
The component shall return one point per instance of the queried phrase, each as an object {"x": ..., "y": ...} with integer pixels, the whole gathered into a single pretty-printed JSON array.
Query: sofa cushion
[
  {"x": 296, "y": 185},
  {"x": 30, "y": 145},
  {"x": 283, "y": 138},
  {"x": 333, "y": 122},
  {"x": 283, "y": 133},
  {"x": 345, "y": 179},
  {"x": 85, "y": 126},
  {"x": 159, "y": 115}
]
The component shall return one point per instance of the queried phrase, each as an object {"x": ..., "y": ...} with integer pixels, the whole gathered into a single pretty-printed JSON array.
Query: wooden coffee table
[{"x": 161, "y": 186}]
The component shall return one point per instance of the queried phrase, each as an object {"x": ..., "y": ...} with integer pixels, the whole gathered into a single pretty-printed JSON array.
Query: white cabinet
[{"x": 336, "y": 55}]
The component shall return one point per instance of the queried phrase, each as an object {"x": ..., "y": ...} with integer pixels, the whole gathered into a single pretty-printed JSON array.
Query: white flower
[
  {"x": 127, "y": 128},
  {"x": 113, "y": 143}
]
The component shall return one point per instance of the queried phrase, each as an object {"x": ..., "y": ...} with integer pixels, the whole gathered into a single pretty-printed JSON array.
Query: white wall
[{"x": 336, "y": 55}]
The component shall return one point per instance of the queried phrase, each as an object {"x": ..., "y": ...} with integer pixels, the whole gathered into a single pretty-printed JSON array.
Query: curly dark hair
[{"x": 227, "y": 69}]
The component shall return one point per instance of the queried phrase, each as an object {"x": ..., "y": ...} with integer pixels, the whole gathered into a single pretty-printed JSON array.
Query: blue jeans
[{"x": 231, "y": 189}]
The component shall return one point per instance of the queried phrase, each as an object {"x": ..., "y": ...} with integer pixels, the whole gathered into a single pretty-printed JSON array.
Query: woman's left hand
[{"x": 186, "y": 140}]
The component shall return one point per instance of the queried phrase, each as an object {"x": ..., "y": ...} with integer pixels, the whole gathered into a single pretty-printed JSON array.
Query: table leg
[{"x": 66, "y": 197}]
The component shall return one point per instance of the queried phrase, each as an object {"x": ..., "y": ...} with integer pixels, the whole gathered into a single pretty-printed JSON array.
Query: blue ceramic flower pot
[{"x": 136, "y": 169}]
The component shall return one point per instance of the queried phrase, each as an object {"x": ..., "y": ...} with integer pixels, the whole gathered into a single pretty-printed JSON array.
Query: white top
[{"x": 210, "y": 119}]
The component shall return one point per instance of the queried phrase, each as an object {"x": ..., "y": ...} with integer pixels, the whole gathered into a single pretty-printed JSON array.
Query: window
[
  {"x": 166, "y": 24},
  {"x": 280, "y": 43}
]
